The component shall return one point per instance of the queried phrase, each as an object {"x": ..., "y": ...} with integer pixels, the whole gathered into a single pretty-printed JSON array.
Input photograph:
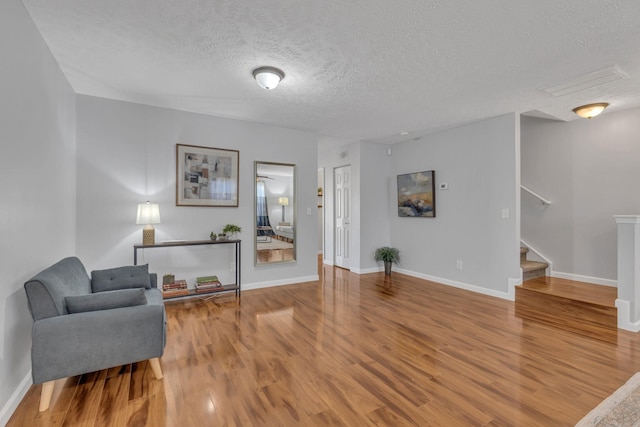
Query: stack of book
[
  {"x": 175, "y": 289},
  {"x": 208, "y": 284}
]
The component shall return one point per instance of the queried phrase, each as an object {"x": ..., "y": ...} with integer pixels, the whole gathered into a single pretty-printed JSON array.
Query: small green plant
[
  {"x": 231, "y": 229},
  {"x": 387, "y": 254}
]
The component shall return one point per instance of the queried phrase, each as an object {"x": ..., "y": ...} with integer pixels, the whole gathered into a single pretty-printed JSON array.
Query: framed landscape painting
[
  {"x": 416, "y": 195},
  {"x": 206, "y": 176}
]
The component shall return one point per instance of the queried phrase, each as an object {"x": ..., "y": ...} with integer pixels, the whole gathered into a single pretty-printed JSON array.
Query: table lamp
[{"x": 148, "y": 213}]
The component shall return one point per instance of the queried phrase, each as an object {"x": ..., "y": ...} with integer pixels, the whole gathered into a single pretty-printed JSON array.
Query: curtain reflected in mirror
[{"x": 275, "y": 210}]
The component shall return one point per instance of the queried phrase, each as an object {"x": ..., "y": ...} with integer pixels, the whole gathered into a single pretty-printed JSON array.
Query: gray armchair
[{"x": 84, "y": 324}]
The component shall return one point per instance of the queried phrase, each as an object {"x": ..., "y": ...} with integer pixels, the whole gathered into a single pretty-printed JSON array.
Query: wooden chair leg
[
  {"x": 45, "y": 396},
  {"x": 155, "y": 366}
]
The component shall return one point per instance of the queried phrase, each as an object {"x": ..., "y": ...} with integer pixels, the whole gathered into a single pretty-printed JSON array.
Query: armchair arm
[{"x": 74, "y": 344}]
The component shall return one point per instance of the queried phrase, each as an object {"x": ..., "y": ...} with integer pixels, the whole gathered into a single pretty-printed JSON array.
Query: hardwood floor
[{"x": 350, "y": 350}]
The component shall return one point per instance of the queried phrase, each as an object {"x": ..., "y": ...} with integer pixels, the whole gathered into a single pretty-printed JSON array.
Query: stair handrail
[{"x": 536, "y": 195}]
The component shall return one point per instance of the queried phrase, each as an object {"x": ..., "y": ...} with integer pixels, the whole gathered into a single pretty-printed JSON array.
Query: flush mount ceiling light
[
  {"x": 590, "y": 110},
  {"x": 268, "y": 77}
]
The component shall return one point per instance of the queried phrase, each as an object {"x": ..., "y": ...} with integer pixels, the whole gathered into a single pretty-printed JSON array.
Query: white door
[{"x": 342, "y": 182}]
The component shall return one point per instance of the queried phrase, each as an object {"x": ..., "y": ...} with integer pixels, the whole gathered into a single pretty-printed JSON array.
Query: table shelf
[{"x": 235, "y": 287}]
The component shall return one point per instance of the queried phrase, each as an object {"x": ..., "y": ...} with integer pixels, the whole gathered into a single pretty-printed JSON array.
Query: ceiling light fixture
[
  {"x": 590, "y": 110},
  {"x": 268, "y": 77}
]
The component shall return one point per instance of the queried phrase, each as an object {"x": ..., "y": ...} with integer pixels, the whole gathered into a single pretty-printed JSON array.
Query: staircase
[
  {"x": 531, "y": 269},
  {"x": 579, "y": 307}
]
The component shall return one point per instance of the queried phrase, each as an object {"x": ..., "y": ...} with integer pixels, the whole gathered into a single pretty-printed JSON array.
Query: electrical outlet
[
  {"x": 233, "y": 267},
  {"x": 458, "y": 264}
]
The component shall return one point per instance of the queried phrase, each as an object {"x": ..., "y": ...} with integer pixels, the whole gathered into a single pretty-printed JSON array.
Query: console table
[{"x": 235, "y": 287}]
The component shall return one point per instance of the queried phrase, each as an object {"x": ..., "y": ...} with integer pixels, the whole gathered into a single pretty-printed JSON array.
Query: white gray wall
[
  {"x": 374, "y": 203},
  {"x": 126, "y": 155},
  {"x": 479, "y": 161},
  {"x": 37, "y": 171},
  {"x": 590, "y": 170},
  {"x": 330, "y": 158}
]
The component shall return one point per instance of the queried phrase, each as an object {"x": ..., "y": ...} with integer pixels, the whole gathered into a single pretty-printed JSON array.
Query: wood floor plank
[
  {"x": 112, "y": 410},
  {"x": 350, "y": 350},
  {"x": 84, "y": 407}
]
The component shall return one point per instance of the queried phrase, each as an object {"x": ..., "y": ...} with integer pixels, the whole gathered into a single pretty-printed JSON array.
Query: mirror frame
[{"x": 294, "y": 205}]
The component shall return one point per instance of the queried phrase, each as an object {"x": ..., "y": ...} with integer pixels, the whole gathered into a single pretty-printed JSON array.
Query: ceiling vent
[{"x": 586, "y": 81}]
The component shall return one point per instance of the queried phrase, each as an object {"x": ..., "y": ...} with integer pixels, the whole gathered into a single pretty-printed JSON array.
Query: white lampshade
[
  {"x": 283, "y": 201},
  {"x": 148, "y": 213},
  {"x": 268, "y": 77}
]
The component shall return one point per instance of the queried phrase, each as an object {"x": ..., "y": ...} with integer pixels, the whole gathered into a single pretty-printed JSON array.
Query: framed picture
[
  {"x": 206, "y": 176},
  {"x": 416, "y": 195}
]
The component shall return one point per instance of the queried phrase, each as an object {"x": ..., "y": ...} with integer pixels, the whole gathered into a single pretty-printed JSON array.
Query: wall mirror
[{"x": 275, "y": 208}]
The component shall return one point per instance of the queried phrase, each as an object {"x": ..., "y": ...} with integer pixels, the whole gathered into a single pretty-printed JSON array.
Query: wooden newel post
[{"x": 628, "y": 301}]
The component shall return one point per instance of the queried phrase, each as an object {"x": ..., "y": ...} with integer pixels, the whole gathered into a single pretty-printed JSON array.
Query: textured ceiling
[{"x": 355, "y": 70}]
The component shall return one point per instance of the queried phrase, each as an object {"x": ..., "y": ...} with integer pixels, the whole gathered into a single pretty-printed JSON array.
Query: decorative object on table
[
  {"x": 168, "y": 279},
  {"x": 222, "y": 236},
  {"x": 148, "y": 213},
  {"x": 208, "y": 284},
  {"x": 213, "y": 236},
  {"x": 283, "y": 201},
  {"x": 416, "y": 195},
  {"x": 206, "y": 176},
  {"x": 175, "y": 289},
  {"x": 389, "y": 256},
  {"x": 230, "y": 230},
  {"x": 319, "y": 191}
]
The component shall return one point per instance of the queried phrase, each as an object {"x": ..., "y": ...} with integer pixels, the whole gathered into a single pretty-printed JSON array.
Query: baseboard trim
[
  {"x": 624, "y": 316},
  {"x": 512, "y": 286},
  {"x": 272, "y": 283},
  {"x": 587, "y": 279},
  {"x": 367, "y": 270},
  {"x": 460, "y": 285},
  {"x": 15, "y": 399}
]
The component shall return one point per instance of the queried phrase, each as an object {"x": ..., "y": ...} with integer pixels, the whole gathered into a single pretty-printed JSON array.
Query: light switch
[
  {"x": 308, "y": 211},
  {"x": 505, "y": 213}
]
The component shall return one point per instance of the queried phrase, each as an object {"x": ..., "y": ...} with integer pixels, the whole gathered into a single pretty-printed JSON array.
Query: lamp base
[{"x": 148, "y": 236}]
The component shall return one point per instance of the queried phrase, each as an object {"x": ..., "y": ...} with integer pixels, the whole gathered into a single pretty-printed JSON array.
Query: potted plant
[
  {"x": 388, "y": 256},
  {"x": 230, "y": 230},
  {"x": 213, "y": 235}
]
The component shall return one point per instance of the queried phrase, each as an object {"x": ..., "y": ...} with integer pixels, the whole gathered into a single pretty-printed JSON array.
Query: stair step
[
  {"x": 533, "y": 269},
  {"x": 579, "y": 307},
  {"x": 571, "y": 289},
  {"x": 532, "y": 265},
  {"x": 523, "y": 253}
]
